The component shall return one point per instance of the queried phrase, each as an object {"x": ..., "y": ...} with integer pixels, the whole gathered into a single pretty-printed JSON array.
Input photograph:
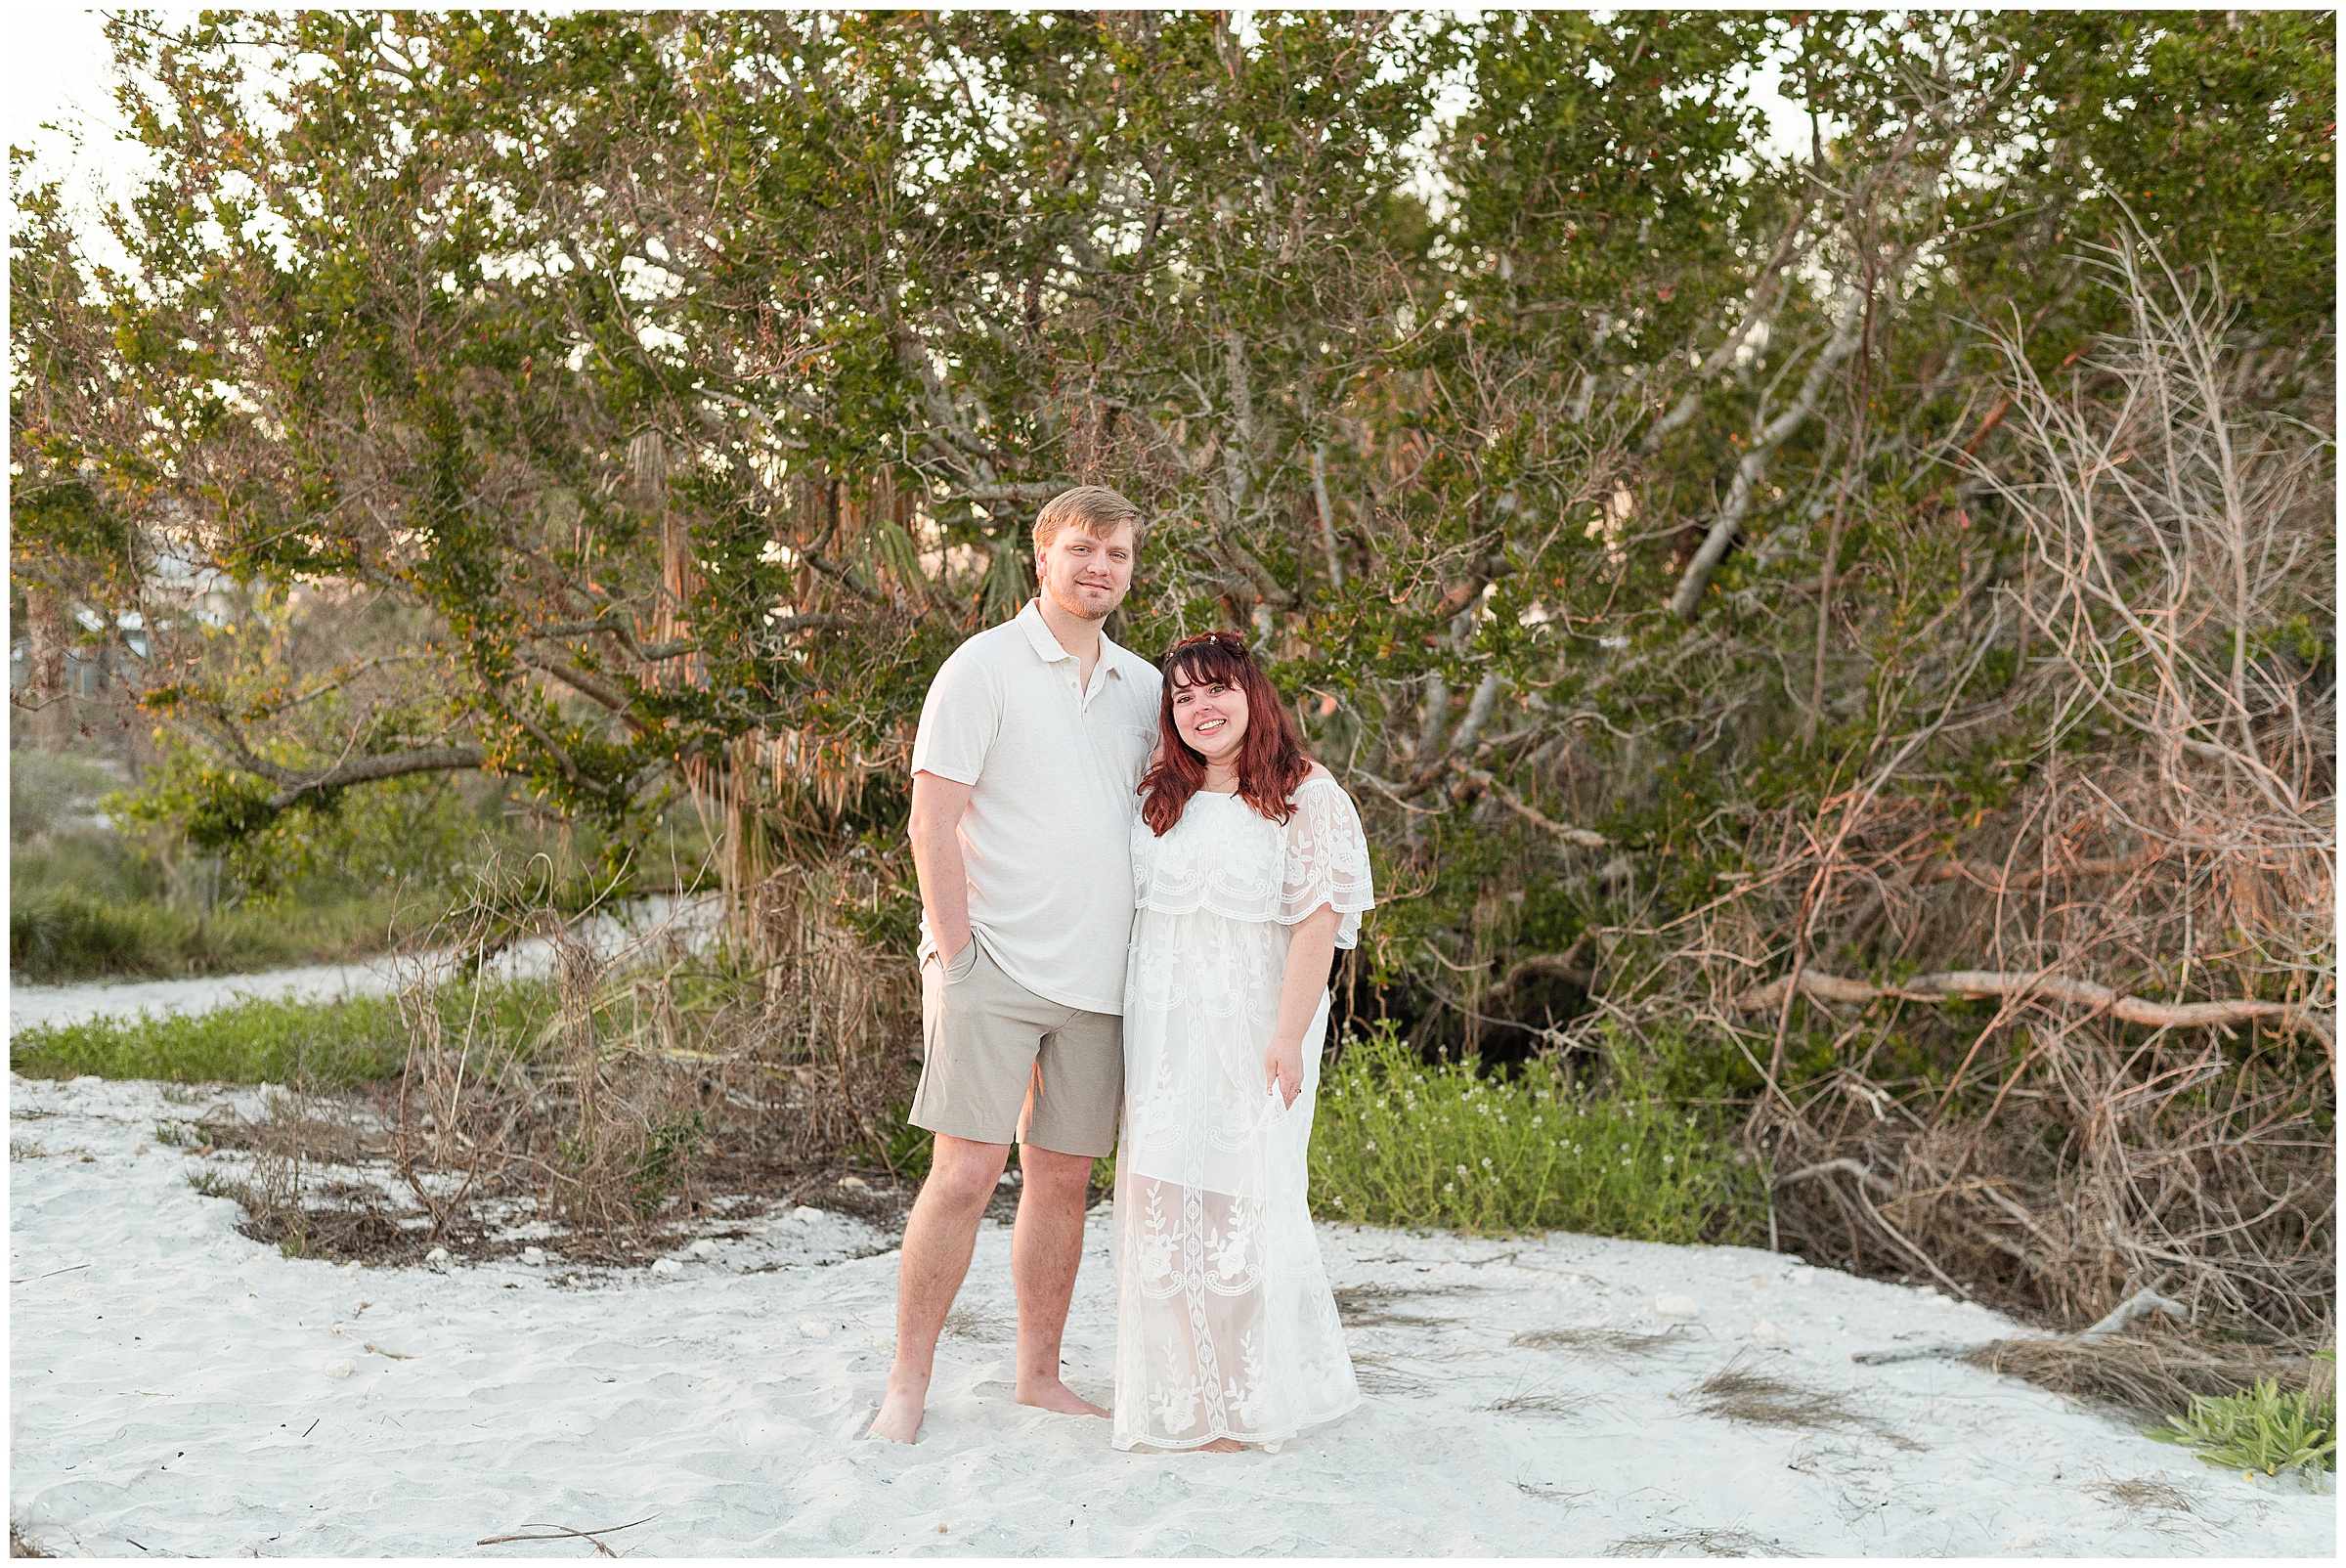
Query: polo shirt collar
[{"x": 1046, "y": 646}]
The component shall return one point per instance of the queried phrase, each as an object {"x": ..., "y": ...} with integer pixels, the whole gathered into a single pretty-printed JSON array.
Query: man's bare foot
[
  {"x": 1056, "y": 1397},
  {"x": 899, "y": 1417}
]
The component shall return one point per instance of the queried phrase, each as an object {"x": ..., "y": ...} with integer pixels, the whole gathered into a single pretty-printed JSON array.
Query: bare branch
[
  {"x": 1755, "y": 464},
  {"x": 1967, "y": 983},
  {"x": 1580, "y": 838}
]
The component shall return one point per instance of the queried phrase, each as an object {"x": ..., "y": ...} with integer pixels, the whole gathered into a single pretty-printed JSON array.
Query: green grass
[
  {"x": 267, "y": 1041},
  {"x": 260, "y": 1041},
  {"x": 2259, "y": 1429},
  {"x": 1396, "y": 1142},
  {"x": 58, "y": 933}
]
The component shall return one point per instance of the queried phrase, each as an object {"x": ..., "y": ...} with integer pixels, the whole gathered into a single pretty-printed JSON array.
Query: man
[{"x": 1030, "y": 750}]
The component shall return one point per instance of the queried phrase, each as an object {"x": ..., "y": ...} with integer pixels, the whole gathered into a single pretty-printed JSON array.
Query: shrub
[
  {"x": 61, "y": 933},
  {"x": 57, "y": 933},
  {"x": 1397, "y": 1142},
  {"x": 2260, "y": 1429}
]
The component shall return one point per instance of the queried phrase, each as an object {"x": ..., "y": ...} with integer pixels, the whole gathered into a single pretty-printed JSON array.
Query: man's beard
[{"x": 1078, "y": 610}]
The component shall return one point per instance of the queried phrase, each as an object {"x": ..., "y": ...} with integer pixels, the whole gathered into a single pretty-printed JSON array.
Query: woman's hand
[{"x": 1282, "y": 1070}]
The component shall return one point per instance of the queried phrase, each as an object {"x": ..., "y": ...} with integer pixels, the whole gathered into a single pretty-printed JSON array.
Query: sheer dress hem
[{"x": 1125, "y": 1445}]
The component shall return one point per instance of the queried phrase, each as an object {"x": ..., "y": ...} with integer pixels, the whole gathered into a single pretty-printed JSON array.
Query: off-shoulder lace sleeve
[{"x": 1326, "y": 859}]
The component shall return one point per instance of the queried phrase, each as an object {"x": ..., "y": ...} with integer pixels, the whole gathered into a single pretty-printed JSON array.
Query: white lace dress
[{"x": 1225, "y": 1322}]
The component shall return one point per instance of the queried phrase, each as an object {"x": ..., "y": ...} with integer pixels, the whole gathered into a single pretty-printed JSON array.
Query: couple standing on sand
[{"x": 1132, "y": 888}]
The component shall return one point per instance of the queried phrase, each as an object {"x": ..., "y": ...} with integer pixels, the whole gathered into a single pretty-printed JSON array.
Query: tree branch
[
  {"x": 367, "y": 771},
  {"x": 1580, "y": 838},
  {"x": 587, "y": 687},
  {"x": 1965, "y": 983},
  {"x": 1773, "y": 435},
  {"x": 1763, "y": 308},
  {"x": 1992, "y": 880}
]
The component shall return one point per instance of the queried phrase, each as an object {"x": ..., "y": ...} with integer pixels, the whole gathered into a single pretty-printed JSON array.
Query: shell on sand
[
  {"x": 1669, "y": 1305},
  {"x": 341, "y": 1366},
  {"x": 1764, "y": 1333},
  {"x": 664, "y": 1267}
]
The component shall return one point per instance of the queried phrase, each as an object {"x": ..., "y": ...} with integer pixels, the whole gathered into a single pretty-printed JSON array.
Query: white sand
[
  {"x": 172, "y": 1391},
  {"x": 30, "y": 1005}
]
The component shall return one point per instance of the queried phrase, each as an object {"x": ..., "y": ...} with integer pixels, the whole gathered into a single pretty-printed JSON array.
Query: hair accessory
[{"x": 1229, "y": 641}]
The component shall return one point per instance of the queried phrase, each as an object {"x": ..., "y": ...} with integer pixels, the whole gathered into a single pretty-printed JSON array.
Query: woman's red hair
[{"x": 1270, "y": 760}]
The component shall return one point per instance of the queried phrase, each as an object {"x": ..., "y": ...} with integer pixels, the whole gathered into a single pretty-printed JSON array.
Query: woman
[{"x": 1250, "y": 870}]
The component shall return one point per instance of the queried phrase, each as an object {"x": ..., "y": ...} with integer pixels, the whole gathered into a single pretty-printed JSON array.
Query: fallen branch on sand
[
  {"x": 557, "y": 1532},
  {"x": 1967, "y": 983},
  {"x": 2141, "y": 1304}
]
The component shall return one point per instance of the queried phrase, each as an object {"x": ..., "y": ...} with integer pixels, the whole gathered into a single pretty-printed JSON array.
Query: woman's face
[{"x": 1211, "y": 718}]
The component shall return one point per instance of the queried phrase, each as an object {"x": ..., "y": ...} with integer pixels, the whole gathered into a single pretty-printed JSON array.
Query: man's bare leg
[
  {"x": 1045, "y": 1249},
  {"x": 940, "y": 1235}
]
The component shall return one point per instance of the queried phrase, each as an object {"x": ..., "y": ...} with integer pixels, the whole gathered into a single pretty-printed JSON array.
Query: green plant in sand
[
  {"x": 2263, "y": 1428},
  {"x": 1396, "y": 1142},
  {"x": 259, "y": 1040}
]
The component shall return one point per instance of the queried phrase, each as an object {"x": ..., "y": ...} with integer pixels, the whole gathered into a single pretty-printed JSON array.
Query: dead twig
[
  {"x": 557, "y": 1532},
  {"x": 1967, "y": 983}
]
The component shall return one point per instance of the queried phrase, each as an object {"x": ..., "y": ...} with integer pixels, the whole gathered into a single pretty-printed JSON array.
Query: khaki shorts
[{"x": 1001, "y": 1065}]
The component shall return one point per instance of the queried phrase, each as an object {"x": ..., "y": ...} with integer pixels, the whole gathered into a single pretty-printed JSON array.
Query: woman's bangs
[{"x": 1204, "y": 664}]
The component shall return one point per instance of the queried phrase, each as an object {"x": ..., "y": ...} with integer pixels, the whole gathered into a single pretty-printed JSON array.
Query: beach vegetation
[
  {"x": 339, "y": 1043},
  {"x": 1842, "y": 619},
  {"x": 2266, "y": 1429},
  {"x": 1399, "y": 1141},
  {"x": 57, "y": 933}
]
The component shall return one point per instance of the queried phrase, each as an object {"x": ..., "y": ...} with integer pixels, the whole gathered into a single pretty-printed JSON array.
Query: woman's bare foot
[
  {"x": 1220, "y": 1445},
  {"x": 1056, "y": 1397}
]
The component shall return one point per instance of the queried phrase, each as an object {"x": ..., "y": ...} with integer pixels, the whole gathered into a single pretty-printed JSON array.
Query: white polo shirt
[{"x": 1056, "y": 773}]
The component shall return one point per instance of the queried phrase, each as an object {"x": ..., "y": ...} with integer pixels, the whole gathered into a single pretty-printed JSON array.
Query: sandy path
[
  {"x": 30, "y": 1005},
  {"x": 171, "y": 1391}
]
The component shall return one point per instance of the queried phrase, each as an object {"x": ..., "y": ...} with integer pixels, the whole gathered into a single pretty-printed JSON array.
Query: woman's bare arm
[{"x": 1311, "y": 948}]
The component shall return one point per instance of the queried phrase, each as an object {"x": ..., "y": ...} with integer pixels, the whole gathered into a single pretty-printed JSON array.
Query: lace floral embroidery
[{"x": 1225, "y": 1324}]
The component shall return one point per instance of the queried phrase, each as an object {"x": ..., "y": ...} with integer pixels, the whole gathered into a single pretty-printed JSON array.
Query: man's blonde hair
[{"x": 1095, "y": 510}]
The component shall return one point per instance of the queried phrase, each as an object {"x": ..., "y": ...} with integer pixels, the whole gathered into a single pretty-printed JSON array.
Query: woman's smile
[{"x": 1212, "y": 719}]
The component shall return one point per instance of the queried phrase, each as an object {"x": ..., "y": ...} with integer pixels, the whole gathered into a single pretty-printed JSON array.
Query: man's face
[{"x": 1085, "y": 575}]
